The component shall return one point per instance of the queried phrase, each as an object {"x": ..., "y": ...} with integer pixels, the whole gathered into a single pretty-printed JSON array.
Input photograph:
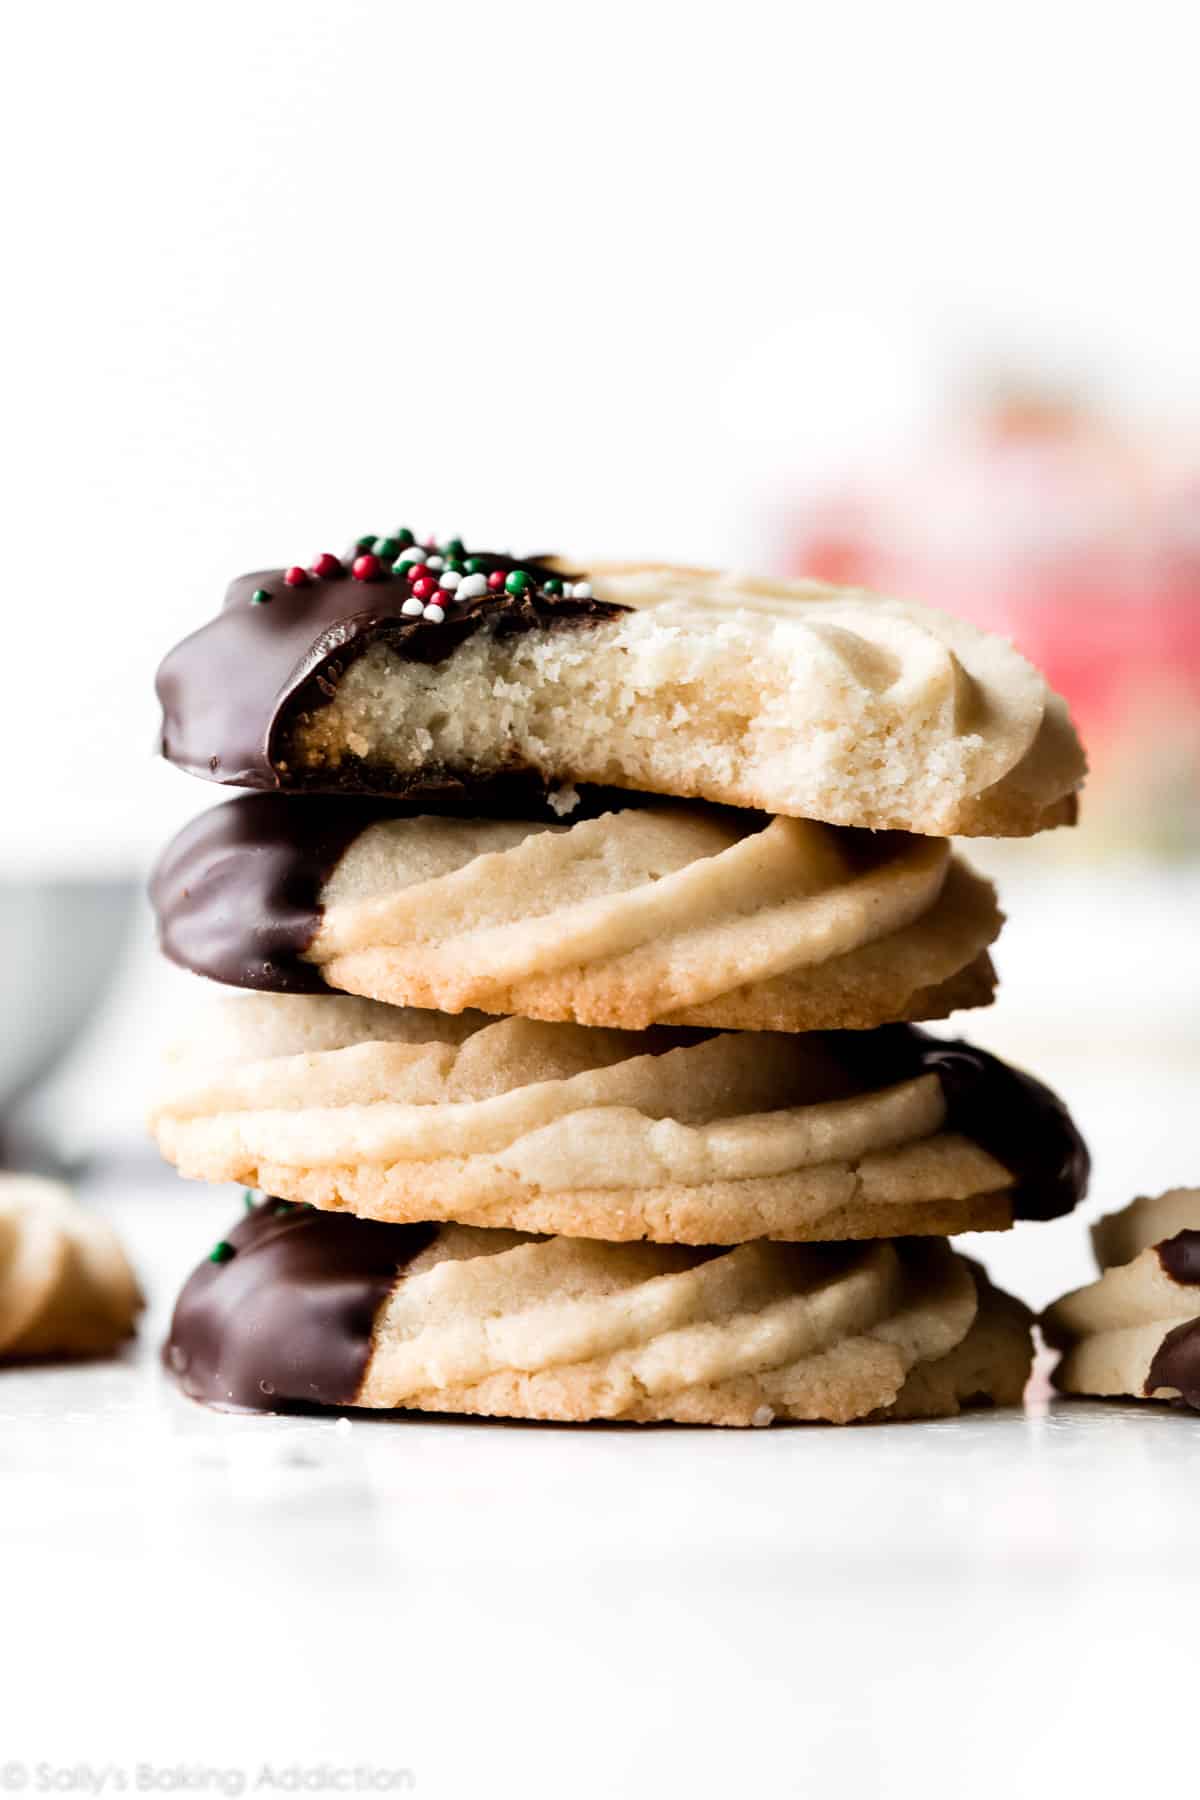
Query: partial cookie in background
[
  {"x": 785, "y": 697},
  {"x": 663, "y": 913},
  {"x": 66, "y": 1288},
  {"x": 296, "y": 1306},
  {"x": 674, "y": 1136},
  {"x": 1136, "y": 1331}
]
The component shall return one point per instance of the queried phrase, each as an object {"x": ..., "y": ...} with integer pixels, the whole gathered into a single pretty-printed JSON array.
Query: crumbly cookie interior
[{"x": 854, "y": 713}]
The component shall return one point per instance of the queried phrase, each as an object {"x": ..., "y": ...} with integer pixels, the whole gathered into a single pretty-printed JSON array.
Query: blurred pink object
[{"x": 1081, "y": 544}]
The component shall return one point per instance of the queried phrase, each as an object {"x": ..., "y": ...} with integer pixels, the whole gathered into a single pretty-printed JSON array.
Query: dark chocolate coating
[
  {"x": 288, "y": 1319},
  {"x": 1012, "y": 1116},
  {"x": 1180, "y": 1257},
  {"x": 237, "y": 893},
  {"x": 1177, "y": 1360},
  {"x": 1177, "y": 1363},
  {"x": 231, "y": 691}
]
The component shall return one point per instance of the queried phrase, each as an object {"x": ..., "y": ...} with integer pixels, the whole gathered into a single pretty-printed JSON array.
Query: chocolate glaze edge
[
  {"x": 1179, "y": 1257},
  {"x": 288, "y": 1319},
  {"x": 236, "y": 894},
  {"x": 1176, "y": 1363},
  {"x": 1010, "y": 1114}
]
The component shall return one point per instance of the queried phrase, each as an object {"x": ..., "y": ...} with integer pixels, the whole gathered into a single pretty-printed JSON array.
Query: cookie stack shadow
[{"x": 583, "y": 923}]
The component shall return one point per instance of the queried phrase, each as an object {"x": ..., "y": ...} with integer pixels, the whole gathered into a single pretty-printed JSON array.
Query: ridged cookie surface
[
  {"x": 693, "y": 915},
  {"x": 298, "y": 1306},
  {"x": 66, "y": 1288},
  {"x": 788, "y": 697},
  {"x": 1136, "y": 1331},
  {"x": 396, "y": 1114}
]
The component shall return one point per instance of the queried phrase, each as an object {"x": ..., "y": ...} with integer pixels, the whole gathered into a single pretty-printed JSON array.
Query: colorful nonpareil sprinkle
[{"x": 438, "y": 577}]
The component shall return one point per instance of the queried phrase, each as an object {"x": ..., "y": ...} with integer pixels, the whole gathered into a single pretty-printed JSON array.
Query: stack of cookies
[{"x": 583, "y": 918}]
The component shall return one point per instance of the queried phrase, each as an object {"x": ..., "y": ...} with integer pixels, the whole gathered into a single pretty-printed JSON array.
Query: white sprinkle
[
  {"x": 412, "y": 609},
  {"x": 414, "y": 553},
  {"x": 435, "y": 562},
  {"x": 563, "y": 800},
  {"x": 470, "y": 587},
  {"x": 450, "y": 579},
  {"x": 580, "y": 590},
  {"x": 434, "y": 613},
  {"x": 762, "y": 1415}
]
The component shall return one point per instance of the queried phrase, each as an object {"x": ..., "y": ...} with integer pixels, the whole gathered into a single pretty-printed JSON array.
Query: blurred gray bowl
[{"x": 61, "y": 943}]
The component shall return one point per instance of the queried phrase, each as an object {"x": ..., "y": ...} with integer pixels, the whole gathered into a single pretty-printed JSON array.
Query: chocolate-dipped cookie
[
  {"x": 396, "y": 668},
  {"x": 676, "y": 1136},
  {"x": 297, "y": 1307},
  {"x": 667, "y": 912},
  {"x": 1136, "y": 1331}
]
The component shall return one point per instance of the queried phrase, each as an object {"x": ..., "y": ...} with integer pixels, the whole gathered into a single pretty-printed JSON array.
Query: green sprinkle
[
  {"x": 474, "y": 566},
  {"x": 222, "y": 1253},
  {"x": 552, "y": 585},
  {"x": 365, "y": 543},
  {"x": 281, "y": 1207},
  {"x": 260, "y": 597},
  {"x": 404, "y": 537},
  {"x": 517, "y": 582},
  {"x": 386, "y": 548},
  {"x": 248, "y": 1199},
  {"x": 455, "y": 547}
]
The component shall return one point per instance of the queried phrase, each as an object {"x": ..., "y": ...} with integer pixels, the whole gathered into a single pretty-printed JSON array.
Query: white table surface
[{"x": 981, "y": 1606}]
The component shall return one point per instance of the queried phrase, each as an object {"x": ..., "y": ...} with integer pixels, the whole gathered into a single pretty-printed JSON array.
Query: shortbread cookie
[
  {"x": 788, "y": 697},
  {"x": 1136, "y": 1331},
  {"x": 300, "y": 1306},
  {"x": 681, "y": 913},
  {"x": 401, "y": 1115},
  {"x": 66, "y": 1288}
]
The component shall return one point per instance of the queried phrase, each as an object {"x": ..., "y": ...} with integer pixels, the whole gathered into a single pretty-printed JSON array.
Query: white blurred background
[{"x": 908, "y": 292}]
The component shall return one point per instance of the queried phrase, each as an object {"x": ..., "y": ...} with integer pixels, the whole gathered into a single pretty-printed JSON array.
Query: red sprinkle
[
  {"x": 496, "y": 579},
  {"x": 416, "y": 570},
  {"x": 424, "y": 588},
  {"x": 327, "y": 565},
  {"x": 366, "y": 567},
  {"x": 295, "y": 576}
]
